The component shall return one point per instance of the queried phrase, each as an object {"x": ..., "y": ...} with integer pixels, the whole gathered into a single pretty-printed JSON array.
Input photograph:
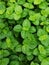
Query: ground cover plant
[{"x": 24, "y": 32}]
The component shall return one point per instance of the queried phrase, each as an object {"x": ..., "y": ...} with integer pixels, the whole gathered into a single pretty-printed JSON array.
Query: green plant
[{"x": 24, "y": 32}]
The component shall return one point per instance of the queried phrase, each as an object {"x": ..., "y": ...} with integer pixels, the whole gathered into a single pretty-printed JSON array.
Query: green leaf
[
  {"x": 2, "y": 7},
  {"x": 26, "y": 50},
  {"x": 22, "y": 57},
  {"x": 36, "y": 22},
  {"x": 45, "y": 12},
  {"x": 24, "y": 34},
  {"x": 12, "y": 0},
  {"x": 47, "y": 28},
  {"x": 47, "y": 50},
  {"x": 42, "y": 50},
  {"x": 31, "y": 12},
  {"x": 18, "y": 48},
  {"x": 17, "y": 28},
  {"x": 32, "y": 29},
  {"x": 35, "y": 52},
  {"x": 30, "y": 42},
  {"x": 30, "y": 1},
  {"x": 36, "y": 2},
  {"x": 35, "y": 17},
  {"x": 30, "y": 57},
  {"x": 25, "y": 12},
  {"x": 4, "y": 61},
  {"x": 28, "y": 5},
  {"x": 4, "y": 53},
  {"x": 40, "y": 57},
  {"x": 2, "y": 36},
  {"x": 41, "y": 32},
  {"x": 9, "y": 11},
  {"x": 45, "y": 42},
  {"x": 14, "y": 62},
  {"x": 2, "y": 24},
  {"x": 14, "y": 57},
  {"x": 32, "y": 63},
  {"x": 3, "y": 46},
  {"x": 17, "y": 16},
  {"x": 45, "y": 61},
  {"x": 43, "y": 5},
  {"x": 8, "y": 42},
  {"x": 11, "y": 43},
  {"x": 21, "y": 2},
  {"x": 26, "y": 25},
  {"x": 18, "y": 9}
]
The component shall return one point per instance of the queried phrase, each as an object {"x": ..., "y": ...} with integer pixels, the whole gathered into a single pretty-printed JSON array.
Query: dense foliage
[{"x": 24, "y": 32}]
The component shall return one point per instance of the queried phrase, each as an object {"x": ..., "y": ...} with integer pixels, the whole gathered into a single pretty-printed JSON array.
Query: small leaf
[
  {"x": 30, "y": 1},
  {"x": 12, "y": 0},
  {"x": 26, "y": 25},
  {"x": 30, "y": 57},
  {"x": 2, "y": 7},
  {"x": 43, "y": 5},
  {"x": 17, "y": 28},
  {"x": 14, "y": 62},
  {"x": 32, "y": 29},
  {"x": 18, "y": 9},
  {"x": 45, "y": 61},
  {"x": 35, "y": 52},
  {"x": 4, "y": 61},
  {"x": 28, "y": 5},
  {"x": 42, "y": 50},
  {"x": 18, "y": 48},
  {"x": 38, "y": 1},
  {"x": 17, "y": 16},
  {"x": 21, "y": 2}
]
